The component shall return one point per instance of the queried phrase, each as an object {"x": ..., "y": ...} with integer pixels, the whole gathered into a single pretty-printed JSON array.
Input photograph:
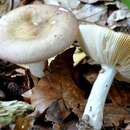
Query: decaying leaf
[
  {"x": 93, "y": 1},
  {"x": 59, "y": 84},
  {"x": 44, "y": 94},
  {"x": 23, "y": 123},
  {"x": 57, "y": 111},
  {"x": 91, "y": 77},
  {"x": 114, "y": 115},
  {"x": 14, "y": 81},
  {"x": 91, "y": 13},
  {"x": 71, "y": 125},
  {"x": 118, "y": 95},
  {"x": 117, "y": 16}
]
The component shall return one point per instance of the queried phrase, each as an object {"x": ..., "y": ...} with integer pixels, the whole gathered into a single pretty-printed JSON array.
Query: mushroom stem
[
  {"x": 93, "y": 114},
  {"x": 37, "y": 69}
]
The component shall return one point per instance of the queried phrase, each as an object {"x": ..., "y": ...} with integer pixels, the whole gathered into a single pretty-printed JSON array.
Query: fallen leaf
[
  {"x": 93, "y": 1},
  {"x": 59, "y": 84},
  {"x": 117, "y": 16},
  {"x": 57, "y": 112},
  {"x": 114, "y": 115},
  {"x": 91, "y": 13},
  {"x": 23, "y": 123},
  {"x": 118, "y": 95},
  {"x": 44, "y": 94}
]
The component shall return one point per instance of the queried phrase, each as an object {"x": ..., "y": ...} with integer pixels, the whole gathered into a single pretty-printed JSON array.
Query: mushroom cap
[
  {"x": 36, "y": 32},
  {"x": 107, "y": 47}
]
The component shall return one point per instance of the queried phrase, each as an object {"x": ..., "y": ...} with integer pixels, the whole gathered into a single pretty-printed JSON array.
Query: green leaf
[{"x": 126, "y": 2}]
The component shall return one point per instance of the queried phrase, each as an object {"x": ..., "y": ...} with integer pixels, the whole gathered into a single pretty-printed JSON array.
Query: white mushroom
[
  {"x": 111, "y": 50},
  {"x": 31, "y": 34}
]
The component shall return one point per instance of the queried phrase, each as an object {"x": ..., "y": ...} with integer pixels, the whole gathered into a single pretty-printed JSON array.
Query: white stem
[
  {"x": 37, "y": 69},
  {"x": 96, "y": 100}
]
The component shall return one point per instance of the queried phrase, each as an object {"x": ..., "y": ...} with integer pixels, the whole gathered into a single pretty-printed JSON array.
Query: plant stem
[
  {"x": 95, "y": 104},
  {"x": 37, "y": 69}
]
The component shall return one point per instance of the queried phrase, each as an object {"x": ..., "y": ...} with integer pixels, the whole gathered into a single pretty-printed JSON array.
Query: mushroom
[
  {"x": 111, "y": 50},
  {"x": 33, "y": 33}
]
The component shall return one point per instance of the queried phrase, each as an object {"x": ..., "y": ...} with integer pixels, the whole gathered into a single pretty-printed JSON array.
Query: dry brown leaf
[
  {"x": 57, "y": 126},
  {"x": 23, "y": 123},
  {"x": 71, "y": 125},
  {"x": 119, "y": 96},
  {"x": 57, "y": 112},
  {"x": 72, "y": 96},
  {"x": 59, "y": 84},
  {"x": 114, "y": 115},
  {"x": 43, "y": 94}
]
